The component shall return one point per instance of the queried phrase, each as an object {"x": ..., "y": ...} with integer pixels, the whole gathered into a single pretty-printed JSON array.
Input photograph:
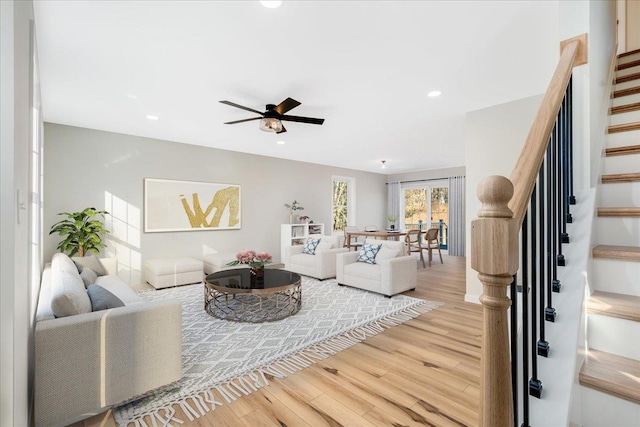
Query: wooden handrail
[
  {"x": 494, "y": 241},
  {"x": 528, "y": 164}
]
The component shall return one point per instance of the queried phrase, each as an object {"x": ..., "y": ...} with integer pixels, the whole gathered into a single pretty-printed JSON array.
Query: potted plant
[
  {"x": 81, "y": 231},
  {"x": 295, "y": 206},
  {"x": 392, "y": 219}
]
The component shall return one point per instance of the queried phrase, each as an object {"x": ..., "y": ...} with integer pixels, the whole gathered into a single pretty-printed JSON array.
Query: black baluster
[
  {"x": 543, "y": 345},
  {"x": 514, "y": 348},
  {"x": 557, "y": 199},
  {"x": 549, "y": 311},
  {"x": 564, "y": 155},
  {"x": 572, "y": 198},
  {"x": 525, "y": 322},
  {"x": 535, "y": 385}
]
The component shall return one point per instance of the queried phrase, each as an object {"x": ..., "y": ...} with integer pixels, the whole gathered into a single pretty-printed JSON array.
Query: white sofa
[
  {"x": 322, "y": 265},
  {"x": 91, "y": 360},
  {"x": 393, "y": 272}
]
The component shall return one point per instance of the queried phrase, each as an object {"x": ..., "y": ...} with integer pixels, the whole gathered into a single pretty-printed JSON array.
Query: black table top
[{"x": 237, "y": 280}]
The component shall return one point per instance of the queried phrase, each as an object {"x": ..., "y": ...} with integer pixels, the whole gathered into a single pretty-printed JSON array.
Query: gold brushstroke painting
[{"x": 190, "y": 206}]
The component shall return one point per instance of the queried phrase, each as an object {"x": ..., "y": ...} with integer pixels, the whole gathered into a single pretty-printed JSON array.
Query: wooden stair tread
[
  {"x": 619, "y": 212},
  {"x": 620, "y": 177},
  {"x": 615, "y": 375},
  {"x": 626, "y": 92},
  {"x": 615, "y": 305},
  {"x": 627, "y": 127},
  {"x": 621, "y": 151},
  {"x": 625, "y": 253},
  {"x": 627, "y": 78},
  {"x": 625, "y": 108},
  {"x": 627, "y": 65},
  {"x": 631, "y": 52}
]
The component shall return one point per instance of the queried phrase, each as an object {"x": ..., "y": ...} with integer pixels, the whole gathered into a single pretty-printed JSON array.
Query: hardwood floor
[{"x": 422, "y": 373}]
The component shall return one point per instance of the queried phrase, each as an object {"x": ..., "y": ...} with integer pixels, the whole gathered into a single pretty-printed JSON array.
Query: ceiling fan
[{"x": 271, "y": 120}]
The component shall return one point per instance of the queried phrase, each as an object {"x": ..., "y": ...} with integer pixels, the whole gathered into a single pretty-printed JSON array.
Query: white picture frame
[{"x": 172, "y": 205}]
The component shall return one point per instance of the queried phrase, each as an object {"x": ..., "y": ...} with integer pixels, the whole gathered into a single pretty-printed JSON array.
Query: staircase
[{"x": 610, "y": 375}]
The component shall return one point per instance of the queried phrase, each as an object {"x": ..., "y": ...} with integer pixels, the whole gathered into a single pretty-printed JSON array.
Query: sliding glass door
[{"x": 426, "y": 205}]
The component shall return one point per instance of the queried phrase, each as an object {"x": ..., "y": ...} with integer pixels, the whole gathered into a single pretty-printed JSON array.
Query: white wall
[
  {"x": 16, "y": 319},
  {"x": 493, "y": 139},
  {"x": 81, "y": 165}
]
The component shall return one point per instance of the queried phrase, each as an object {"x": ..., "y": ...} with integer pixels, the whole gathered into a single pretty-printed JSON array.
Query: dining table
[{"x": 381, "y": 234}]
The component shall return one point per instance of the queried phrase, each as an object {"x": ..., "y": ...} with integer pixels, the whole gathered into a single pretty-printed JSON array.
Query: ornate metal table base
[{"x": 265, "y": 306}]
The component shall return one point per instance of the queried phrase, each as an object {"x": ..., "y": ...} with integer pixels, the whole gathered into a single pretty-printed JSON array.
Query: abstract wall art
[{"x": 190, "y": 206}]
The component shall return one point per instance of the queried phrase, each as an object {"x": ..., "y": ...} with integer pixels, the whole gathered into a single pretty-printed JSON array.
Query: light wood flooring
[{"x": 422, "y": 373}]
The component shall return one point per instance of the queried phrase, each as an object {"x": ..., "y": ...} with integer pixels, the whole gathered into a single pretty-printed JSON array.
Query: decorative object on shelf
[
  {"x": 304, "y": 219},
  {"x": 295, "y": 206},
  {"x": 82, "y": 230},
  {"x": 392, "y": 219}
]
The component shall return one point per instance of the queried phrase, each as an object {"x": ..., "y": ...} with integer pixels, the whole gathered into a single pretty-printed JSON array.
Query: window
[
  {"x": 343, "y": 202},
  {"x": 426, "y": 205}
]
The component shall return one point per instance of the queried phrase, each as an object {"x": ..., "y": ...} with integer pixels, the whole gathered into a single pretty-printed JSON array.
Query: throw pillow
[
  {"x": 325, "y": 244},
  {"x": 88, "y": 276},
  {"x": 386, "y": 253},
  {"x": 368, "y": 253},
  {"x": 310, "y": 246},
  {"x": 90, "y": 261},
  {"x": 102, "y": 299}
]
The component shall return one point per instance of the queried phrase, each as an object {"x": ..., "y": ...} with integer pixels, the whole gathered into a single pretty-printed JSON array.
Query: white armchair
[
  {"x": 393, "y": 272},
  {"x": 322, "y": 265}
]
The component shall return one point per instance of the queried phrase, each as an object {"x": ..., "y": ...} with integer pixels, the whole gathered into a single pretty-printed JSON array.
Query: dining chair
[
  {"x": 413, "y": 243},
  {"x": 432, "y": 242},
  {"x": 353, "y": 240}
]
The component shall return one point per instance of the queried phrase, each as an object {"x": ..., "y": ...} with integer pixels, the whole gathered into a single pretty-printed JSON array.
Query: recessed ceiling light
[
  {"x": 280, "y": 142},
  {"x": 434, "y": 93},
  {"x": 132, "y": 96},
  {"x": 271, "y": 4},
  {"x": 152, "y": 117}
]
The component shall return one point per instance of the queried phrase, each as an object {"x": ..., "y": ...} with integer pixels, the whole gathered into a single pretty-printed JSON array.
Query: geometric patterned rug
[{"x": 223, "y": 361}]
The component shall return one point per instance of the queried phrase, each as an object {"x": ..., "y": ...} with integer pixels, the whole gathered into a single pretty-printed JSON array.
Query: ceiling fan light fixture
[
  {"x": 384, "y": 164},
  {"x": 269, "y": 124}
]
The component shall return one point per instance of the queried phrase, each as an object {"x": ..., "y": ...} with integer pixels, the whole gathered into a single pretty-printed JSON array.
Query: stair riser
[
  {"x": 628, "y": 163},
  {"x": 600, "y": 410},
  {"x": 624, "y": 118},
  {"x": 616, "y": 276},
  {"x": 618, "y": 231},
  {"x": 624, "y": 100},
  {"x": 620, "y": 194},
  {"x": 627, "y": 85},
  {"x": 622, "y": 139},
  {"x": 629, "y": 58},
  {"x": 613, "y": 335}
]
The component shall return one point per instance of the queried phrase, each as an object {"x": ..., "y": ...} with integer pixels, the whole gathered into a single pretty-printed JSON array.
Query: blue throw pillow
[
  {"x": 310, "y": 246},
  {"x": 368, "y": 253},
  {"x": 102, "y": 299}
]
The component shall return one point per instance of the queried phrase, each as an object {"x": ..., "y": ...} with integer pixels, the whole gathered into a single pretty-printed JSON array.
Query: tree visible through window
[{"x": 340, "y": 205}]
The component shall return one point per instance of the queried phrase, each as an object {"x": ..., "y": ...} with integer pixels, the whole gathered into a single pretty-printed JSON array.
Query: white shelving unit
[{"x": 296, "y": 234}]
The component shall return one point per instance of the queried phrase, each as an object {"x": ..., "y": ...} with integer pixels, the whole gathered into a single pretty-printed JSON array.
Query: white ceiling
[{"x": 363, "y": 66}]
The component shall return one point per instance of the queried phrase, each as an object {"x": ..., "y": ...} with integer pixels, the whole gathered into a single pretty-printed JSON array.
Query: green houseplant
[
  {"x": 392, "y": 220},
  {"x": 81, "y": 231}
]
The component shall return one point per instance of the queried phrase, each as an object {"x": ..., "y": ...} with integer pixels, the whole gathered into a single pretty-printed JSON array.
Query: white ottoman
[
  {"x": 217, "y": 262},
  {"x": 162, "y": 273}
]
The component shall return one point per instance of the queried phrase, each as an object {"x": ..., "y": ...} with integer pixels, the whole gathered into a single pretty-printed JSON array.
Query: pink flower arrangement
[{"x": 253, "y": 258}]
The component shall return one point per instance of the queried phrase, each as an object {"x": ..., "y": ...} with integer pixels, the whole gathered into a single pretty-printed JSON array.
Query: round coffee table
[{"x": 237, "y": 295}]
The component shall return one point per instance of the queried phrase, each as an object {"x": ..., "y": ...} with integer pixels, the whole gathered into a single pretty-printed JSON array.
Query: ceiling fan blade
[
  {"x": 310, "y": 120},
  {"x": 283, "y": 130},
  {"x": 242, "y": 107},
  {"x": 286, "y": 105},
  {"x": 243, "y": 120}
]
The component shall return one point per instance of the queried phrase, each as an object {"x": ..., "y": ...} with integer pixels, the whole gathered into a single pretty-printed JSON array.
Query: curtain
[
  {"x": 393, "y": 200},
  {"x": 456, "y": 216}
]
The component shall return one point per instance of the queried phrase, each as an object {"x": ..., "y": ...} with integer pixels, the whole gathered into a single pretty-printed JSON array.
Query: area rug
[{"x": 223, "y": 361}]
